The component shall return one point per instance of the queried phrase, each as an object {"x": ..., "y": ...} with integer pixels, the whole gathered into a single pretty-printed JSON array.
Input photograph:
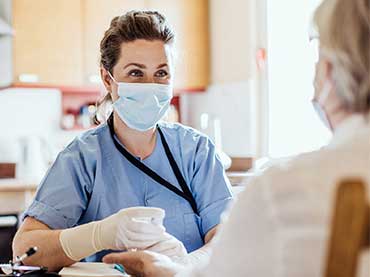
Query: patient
[{"x": 280, "y": 224}]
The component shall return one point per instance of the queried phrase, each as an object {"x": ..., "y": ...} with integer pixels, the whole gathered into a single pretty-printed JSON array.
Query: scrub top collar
[
  {"x": 152, "y": 155},
  {"x": 156, "y": 147}
]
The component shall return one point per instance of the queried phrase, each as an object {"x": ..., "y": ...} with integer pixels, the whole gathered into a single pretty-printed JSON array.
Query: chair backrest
[{"x": 350, "y": 229}]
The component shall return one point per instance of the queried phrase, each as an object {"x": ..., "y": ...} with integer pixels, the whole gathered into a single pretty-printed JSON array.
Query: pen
[
  {"x": 120, "y": 268},
  {"x": 16, "y": 265},
  {"x": 29, "y": 253}
]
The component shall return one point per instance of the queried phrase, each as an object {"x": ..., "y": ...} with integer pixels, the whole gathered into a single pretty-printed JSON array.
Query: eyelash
[
  {"x": 162, "y": 71},
  {"x": 137, "y": 73},
  {"x": 134, "y": 73}
]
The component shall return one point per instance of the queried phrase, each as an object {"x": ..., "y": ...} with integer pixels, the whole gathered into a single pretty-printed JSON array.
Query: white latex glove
[
  {"x": 136, "y": 227},
  {"x": 139, "y": 228},
  {"x": 170, "y": 246}
]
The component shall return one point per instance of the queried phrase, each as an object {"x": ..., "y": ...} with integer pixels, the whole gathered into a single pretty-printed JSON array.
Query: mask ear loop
[
  {"x": 111, "y": 76},
  {"x": 319, "y": 105},
  {"x": 326, "y": 92}
]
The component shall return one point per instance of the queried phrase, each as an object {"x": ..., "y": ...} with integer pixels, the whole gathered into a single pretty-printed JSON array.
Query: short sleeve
[
  {"x": 63, "y": 193},
  {"x": 210, "y": 186}
]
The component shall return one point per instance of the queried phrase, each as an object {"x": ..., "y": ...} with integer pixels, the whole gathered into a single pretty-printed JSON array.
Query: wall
[
  {"x": 233, "y": 105},
  {"x": 231, "y": 41},
  {"x": 233, "y": 95},
  {"x": 5, "y": 46}
]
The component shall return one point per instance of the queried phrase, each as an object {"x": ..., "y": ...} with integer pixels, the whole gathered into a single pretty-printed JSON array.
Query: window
[{"x": 293, "y": 125}]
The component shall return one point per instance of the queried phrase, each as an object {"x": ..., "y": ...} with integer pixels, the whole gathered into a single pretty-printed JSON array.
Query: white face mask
[
  {"x": 319, "y": 105},
  {"x": 142, "y": 105}
]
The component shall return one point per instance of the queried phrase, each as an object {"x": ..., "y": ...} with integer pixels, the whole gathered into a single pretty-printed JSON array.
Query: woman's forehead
[{"x": 145, "y": 52}]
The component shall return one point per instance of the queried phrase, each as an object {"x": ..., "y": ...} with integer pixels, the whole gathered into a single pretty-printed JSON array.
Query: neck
[
  {"x": 338, "y": 119},
  {"x": 335, "y": 110},
  {"x": 140, "y": 144},
  {"x": 337, "y": 115}
]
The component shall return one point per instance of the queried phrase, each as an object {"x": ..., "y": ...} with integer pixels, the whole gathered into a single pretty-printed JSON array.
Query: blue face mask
[
  {"x": 318, "y": 106},
  {"x": 142, "y": 105}
]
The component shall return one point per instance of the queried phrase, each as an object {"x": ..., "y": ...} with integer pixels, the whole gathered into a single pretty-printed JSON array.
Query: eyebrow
[
  {"x": 142, "y": 66},
  {"x": 135, "y": 64},
  {"x": 162, "y": 65}
]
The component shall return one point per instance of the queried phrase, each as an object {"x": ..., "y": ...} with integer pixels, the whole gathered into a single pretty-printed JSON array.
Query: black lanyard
[{"x": 185, "y": 193}]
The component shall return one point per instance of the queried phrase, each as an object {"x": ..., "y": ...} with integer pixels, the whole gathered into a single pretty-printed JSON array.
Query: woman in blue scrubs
[{"x": 131, "y": 160}]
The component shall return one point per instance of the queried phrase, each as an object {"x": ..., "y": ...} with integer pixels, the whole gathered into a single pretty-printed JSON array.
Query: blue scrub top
[{"x": 91, "y": 180}]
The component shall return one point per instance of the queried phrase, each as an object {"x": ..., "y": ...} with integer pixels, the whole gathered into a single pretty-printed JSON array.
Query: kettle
[
  {"x": 35, "y": 158},
  {"x": 213, "y": 130}
]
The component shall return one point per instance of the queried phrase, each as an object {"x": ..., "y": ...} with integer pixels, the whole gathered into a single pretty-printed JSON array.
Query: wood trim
[
  {"x": 63, "y": 88},
  {"x": 348, "y": 229},
  {"x": 94, "y": 89},
  {"x": 7, "y": 170},
  {"x": 240, "y": 164}
]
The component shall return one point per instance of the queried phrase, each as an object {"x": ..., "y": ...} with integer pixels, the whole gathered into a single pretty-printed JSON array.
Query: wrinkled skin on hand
[{"x": 145, "y": 263}]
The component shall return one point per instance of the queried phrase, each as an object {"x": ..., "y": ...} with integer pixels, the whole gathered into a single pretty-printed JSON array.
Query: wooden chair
[{"x": 350, "y": 229}]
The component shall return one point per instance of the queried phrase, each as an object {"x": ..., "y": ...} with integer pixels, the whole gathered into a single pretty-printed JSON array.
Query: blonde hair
[{"x": 344, "y": 30}]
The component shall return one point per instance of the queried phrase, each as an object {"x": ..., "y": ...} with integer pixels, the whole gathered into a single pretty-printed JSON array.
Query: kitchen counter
[
  {"x": 16, "y": 185},
  {"x": 239, "y": 178},
  {"x": 16, "y": 195}
]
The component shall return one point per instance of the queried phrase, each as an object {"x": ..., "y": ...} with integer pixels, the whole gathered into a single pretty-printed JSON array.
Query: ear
[
  {"x": 328, "y": 71},
  {"x": 323, "y": 75},
  {"x": 107, "y": 81}
]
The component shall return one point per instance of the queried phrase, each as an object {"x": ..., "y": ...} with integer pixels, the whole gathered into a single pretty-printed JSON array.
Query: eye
[
  {"x": 136, "y": 73},
  {"x": 161, "y": 73}
]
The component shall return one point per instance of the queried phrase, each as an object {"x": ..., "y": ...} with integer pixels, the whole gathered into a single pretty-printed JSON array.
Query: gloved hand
[
  {"x": 169, "y": 246},
  {"x": 136, "y": 227},
  {"x": 139, "y": 228}
]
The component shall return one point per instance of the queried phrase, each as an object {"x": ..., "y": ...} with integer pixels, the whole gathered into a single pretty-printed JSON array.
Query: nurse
[{"x": 85, "y": 205}]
